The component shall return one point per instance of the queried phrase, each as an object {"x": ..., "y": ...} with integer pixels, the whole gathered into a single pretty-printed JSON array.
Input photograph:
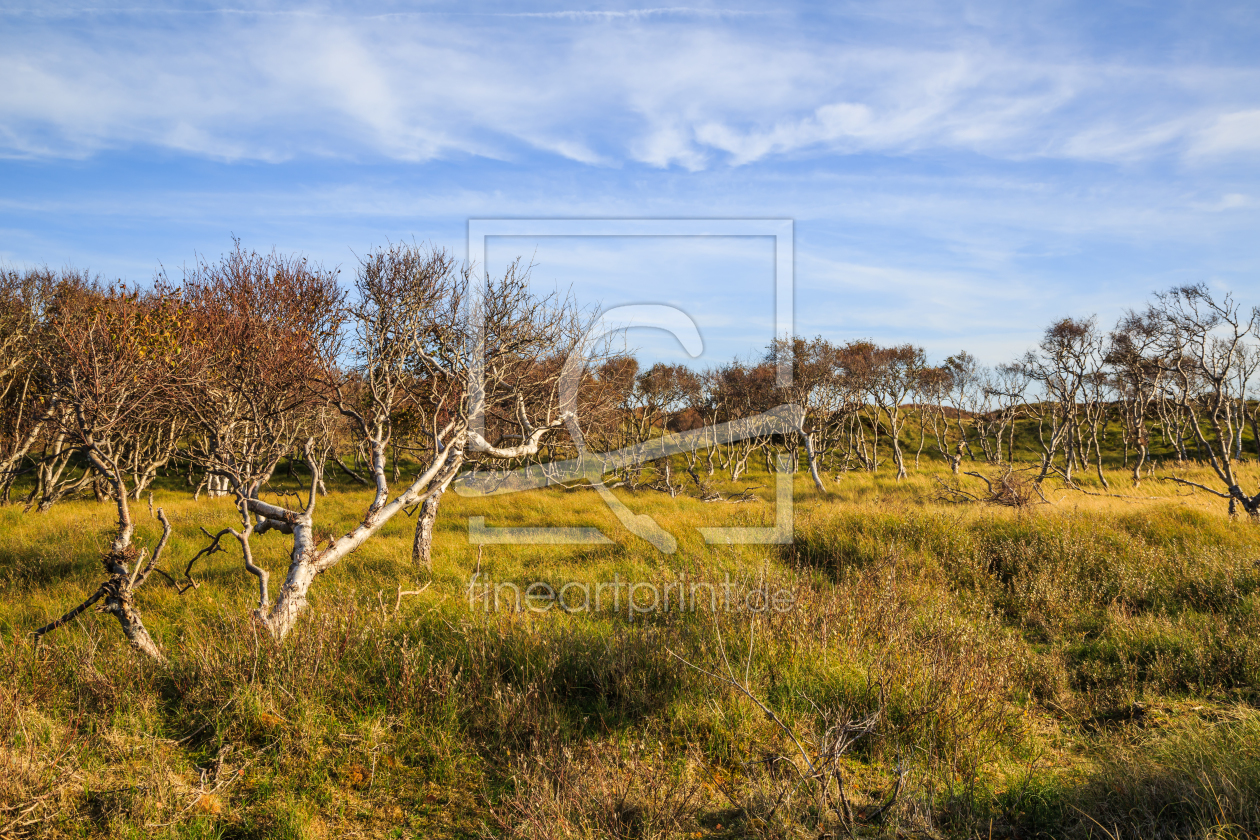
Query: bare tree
[
  {"x": 666, "y": 394},
  {"x": 1097, "y": 391},
  {"x": 112, "y": 366},
  {"x": 818, "y": 389},
  {"x": 267, "y": 333},
  {"x": 1137, "y": 370},
  {"x": 24, "y": 409},
  {"x": 889, "y": 376},
  {"x": 1004, "y": 394},
  {"x": 1203, "y": 340},
  {"x": 420, "y": 340},
  {"x": 935, "y": 383},
  {"x": 967, "y": 396},
  {"x": 738, "y": 390},
  {"x": 1059, "y": 366},
  {"x": 661, "y": 393},
  {"x": 1245, "y": 367},
  {"x": 615, "y": 424}
]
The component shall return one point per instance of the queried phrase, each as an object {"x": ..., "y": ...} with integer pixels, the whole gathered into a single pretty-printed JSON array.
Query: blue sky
[{"x": 960, "y": 173}]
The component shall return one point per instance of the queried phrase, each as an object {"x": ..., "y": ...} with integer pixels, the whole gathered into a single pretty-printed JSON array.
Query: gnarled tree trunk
[{"x": 422, "y": 546}]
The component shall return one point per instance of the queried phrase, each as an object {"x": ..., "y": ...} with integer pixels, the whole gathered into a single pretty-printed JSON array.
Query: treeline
[
  {"x": 408, "y": 376},
  {"x": 257, "y": 357},
  {"x": 1176, "y": 374},
  {"x": 1087, "y": 397}
]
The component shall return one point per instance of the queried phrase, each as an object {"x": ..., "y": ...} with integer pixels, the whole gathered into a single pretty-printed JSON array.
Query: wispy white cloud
[
  {"x": 1229, "y": 201},
  {"x": 959, "y": 172},
  {"x": 1233, "y": 133},
  {"x": 668, "y": 86},
  {"x": 632, "y": 14},
  {"x": 52, "y": 10}
]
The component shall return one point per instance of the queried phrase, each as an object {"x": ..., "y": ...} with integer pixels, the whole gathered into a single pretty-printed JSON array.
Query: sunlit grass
[{"x": 1027, "y": 662}]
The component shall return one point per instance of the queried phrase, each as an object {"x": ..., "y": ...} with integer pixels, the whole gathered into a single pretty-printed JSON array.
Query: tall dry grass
[{"x": 1083, "y": 668}]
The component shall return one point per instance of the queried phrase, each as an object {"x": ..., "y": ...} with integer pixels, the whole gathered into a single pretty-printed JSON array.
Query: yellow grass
[{"x": 1024, "y": 660}]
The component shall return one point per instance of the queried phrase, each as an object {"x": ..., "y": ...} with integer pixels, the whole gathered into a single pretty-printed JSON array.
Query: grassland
[{"x": 1087, "y": 668}]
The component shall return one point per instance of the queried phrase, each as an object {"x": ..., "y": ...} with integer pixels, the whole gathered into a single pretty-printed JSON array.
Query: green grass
[{"x": 1086, "y": 668}]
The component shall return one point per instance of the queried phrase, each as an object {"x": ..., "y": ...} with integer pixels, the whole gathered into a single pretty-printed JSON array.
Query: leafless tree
[
  {"x": 935, "y": 383},
  {"x": 24, "y": 409},
  {"x": 1060, "y": 366},
  {"x": 419, "y": 339},
  {"x": 1003, "y": 395},
  {"x": 1137, "y": 370},
  {"x": 967, "y": 397},
  {"x": 112, "y": 365},
  {"x": 889, "y": 376},
  {"x": 741, "y": 390},
  {"x": 267, "y": 336},
  {"x": 957, "y": 388},
  {"x": 818, "y": 388},
  {"x": 1097, "y": 391},
  {"x": 612, "y": 423},
  {"x": 1202, "y": 342},
  {"x": 1245, "y": 367},
  {"x": 661, "y": 394},
  {"x": 669, "y": 395},
  {"x": 654, "y": 402}
]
